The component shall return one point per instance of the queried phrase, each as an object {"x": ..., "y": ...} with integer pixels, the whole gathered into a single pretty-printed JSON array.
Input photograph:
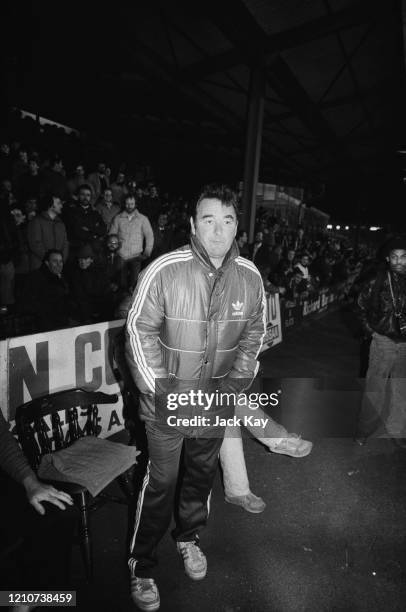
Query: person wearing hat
[{"x": 382, "y": 307}]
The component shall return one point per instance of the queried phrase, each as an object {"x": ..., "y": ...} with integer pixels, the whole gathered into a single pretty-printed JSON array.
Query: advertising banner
[
  {"x": 33, "y": 366},
  {"x": 273, "y": 333}
]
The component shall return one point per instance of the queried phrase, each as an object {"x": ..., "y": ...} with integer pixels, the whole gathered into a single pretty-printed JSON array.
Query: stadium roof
[{"x": 177, "y": 75}]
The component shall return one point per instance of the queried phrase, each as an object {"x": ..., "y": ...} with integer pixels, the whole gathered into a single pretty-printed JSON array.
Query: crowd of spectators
[{"x": 73, "y": 240}]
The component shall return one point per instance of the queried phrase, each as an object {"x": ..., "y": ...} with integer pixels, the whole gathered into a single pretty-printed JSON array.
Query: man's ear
[{"x": 192, "y": 226}]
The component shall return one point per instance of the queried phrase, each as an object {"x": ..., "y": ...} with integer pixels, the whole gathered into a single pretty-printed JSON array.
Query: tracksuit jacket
[{"x": 192, "y": 326}]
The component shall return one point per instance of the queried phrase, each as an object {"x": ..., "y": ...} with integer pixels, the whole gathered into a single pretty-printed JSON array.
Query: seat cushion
[{"x": 90, "y": 462}]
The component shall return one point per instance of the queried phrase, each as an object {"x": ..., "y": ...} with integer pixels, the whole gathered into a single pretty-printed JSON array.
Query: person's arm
[
  {"x": 149, "y": 237},
  {"x": 245, "y": 366},
  {"x": 145, "y": 316},
  {"x": 15, "y": 464},
  {"x": 364, "y": 302}
]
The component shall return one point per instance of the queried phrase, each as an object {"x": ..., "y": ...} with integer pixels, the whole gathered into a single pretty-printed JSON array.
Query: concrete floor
[{"x": 332, "y": 537}]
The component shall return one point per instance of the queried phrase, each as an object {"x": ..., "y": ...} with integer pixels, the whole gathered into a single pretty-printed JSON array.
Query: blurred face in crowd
[
  {"x": 154, "y": 192},
  {"x": 6, "y": 186},
  {"x": 130, "y": 205},
  {"x": 85, "y": 262},
  {"x": 101, "y": 168},
  {"x": 215, "y": 226},
  {"x": 80, "y": 171},
  {"x": 108, "y": 196},
  {"x": 4, "y": 148},
  {"x": 33, "y": 167},
  {"x": 139, "y": 192},
  {"x": 31, "y": 208},
  {"x": 300, "y": 232},
  {"x": 57, "y": 205},
  {"x": 243, "y": 238},
  {"x": 162, "y": 220},
  {"x": 120, "y": 178},
  {"x": 304, "y": 260},
  {"x": 85, "y": 195},
  {"x": 55, "y": 263},
  {"x": 397, "y": 261},
  {"x": 291, "y": 255},
  {"x": 58, "y": 166},
  {"x": 113, "y": 243},
  {"x": 297, "y": 278},
  {"x": 259, "y": 236},
  {"x": 23, "y": 156}
]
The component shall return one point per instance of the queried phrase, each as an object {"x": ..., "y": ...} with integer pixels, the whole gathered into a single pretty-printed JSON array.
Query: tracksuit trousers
[{"x": 156, "y": 498}]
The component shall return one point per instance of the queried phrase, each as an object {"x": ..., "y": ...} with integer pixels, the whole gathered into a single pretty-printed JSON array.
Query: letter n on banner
[{"x": 22, "y": 372}]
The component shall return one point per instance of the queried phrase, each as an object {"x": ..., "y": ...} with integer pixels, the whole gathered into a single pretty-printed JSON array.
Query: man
[
  {"x": 98, "y": 181},
  {"x": 136, "y": 238},
  {"x": 259, "y": 250},
  {"x": 53, "y": 180},
  {"x": 119, "y": 189},
  {"x": 182, "y": 329},
  {"x": 76, "y": 181},
  {"x": 47, "y": 293},
  {"x": 32, "y": 510},
  {"x": 47, "y": 231},
  {"x": 113, "y": 264},
  {"x": 85, "y": 225},
  {"x": 29, "y": 183},
  {"x": 163, "y": 236},
  {"x": 106, "y": 208},
  {"x": 382, "y": 304},
  {"x": 90, "y": 289}
]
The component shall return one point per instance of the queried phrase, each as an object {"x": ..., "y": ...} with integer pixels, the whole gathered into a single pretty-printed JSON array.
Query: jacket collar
[{"x": 202, "y": 256}]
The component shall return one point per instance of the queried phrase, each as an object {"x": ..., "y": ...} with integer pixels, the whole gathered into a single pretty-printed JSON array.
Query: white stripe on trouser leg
[
  {"x": 139, "y": 506},
  {"x": 208, "y": 503}
]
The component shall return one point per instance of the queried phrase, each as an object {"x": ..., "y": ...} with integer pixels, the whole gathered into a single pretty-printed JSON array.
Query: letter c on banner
[{"x": 94, "y": 339}]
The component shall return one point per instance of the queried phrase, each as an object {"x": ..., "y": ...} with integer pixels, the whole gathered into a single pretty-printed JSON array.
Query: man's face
[
  {"x": 130, "y": 205},
  {"x": 162, "y": 220},
  {"x": 58, "y": 166},
  {"x": 57, "y": 205},
  {"x": 55, "y": 264},
  {"x": 215, "y": 226},
  {"x": 298, "y": 278},
  {"x": 108, "y": 196},
  {"x": 259, "y": 236},
  {"x": 23, "y": 156},
  {"x": 6, "y": 184},
  {"x": 101, "y": 168},
  {"x": 85, "y": 195},
  {"x": 120, "y": 178},
  {"x": 80, "y": 171},
  {"x": 112, "y": 244},
  {"x": 85, "y": 262},
  {"x": 33, "y": 166},
  {"x": 291, "y": 255},
  {"x": 397, "y": 261},
  {"x": 304, "y": 260}
]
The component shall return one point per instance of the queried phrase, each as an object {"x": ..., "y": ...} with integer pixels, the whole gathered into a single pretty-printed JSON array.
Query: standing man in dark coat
[{"x": 382, "y": 306}]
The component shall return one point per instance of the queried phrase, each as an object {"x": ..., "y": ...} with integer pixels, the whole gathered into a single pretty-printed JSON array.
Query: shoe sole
[
  {"x": 147, "y": 607},
  {"x": 196, "y": 577},
  {"x": 290, "y": 454},
  {"x": 252, "y": 510}
]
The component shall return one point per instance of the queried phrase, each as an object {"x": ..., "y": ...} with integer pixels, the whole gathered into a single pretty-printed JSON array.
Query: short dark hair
[
  {"x": 52, "y": 252},
  {"x": 85, "y": 186},
  {"x": 47, "y": 201},
  {"x": 216, "y": 191}
]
